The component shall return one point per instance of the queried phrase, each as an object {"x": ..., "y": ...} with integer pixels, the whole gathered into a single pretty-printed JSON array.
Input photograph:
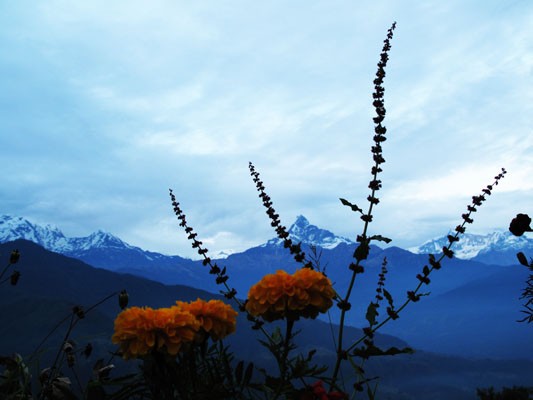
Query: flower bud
[
  {"x": 520, "y": 224},
  {"x": 15, "y": 277},
  {"x": 71, "y": 359},
  {"x": 123, "y": 299},
  {"x": 68, "y": 347},
  {"x": 14, "y": 258},
  {"x": 78, "y": 310},
  {"x": 88, "y": 349}
]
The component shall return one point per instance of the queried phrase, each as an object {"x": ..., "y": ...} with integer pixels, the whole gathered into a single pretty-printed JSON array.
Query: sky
[{"x": 104, "y": 106}]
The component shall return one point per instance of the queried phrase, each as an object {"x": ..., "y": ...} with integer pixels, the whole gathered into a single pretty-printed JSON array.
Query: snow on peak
[
  {"x": 471, "y": 245},
  {"x": 12, "y": 228},
  {"x": 302, "y": 231},
  {"x": 99, "y": 239},
  {"x": 222, "y": 254},
  {"x": 51, "y": 238},
  {"x": 300, "y": 223}
]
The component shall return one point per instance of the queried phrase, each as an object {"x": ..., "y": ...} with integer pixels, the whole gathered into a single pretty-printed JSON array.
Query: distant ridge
[{"x": 497, "y": 248}]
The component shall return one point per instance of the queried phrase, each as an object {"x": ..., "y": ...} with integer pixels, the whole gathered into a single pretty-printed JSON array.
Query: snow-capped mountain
[
  {"x": 104, "y": 250},
  {"x": 99, "y": 249},
  {"x": 302, "y": 231},
  {"x": 472, "y": 246},
  {"x": 222, "y": 254},
  {"x": 51, "y": 238}
]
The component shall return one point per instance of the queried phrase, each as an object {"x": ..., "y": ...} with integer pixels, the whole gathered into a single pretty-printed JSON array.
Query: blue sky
[{"x": 107, "y": 105}]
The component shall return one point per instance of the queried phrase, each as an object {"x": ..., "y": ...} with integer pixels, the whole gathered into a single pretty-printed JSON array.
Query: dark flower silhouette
[{"x": 520, "y": 224}]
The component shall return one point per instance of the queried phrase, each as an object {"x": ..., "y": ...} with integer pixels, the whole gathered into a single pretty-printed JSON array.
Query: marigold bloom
[
  {"x": 139, "y": 330},
  {"x": 215, "y": 317},
  {"x": 303, "y": 294}
]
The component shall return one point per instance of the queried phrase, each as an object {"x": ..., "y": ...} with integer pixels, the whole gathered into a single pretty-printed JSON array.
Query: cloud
[
  {"x": 464, "y": 181},
  {"x": 108, "y": 105}
]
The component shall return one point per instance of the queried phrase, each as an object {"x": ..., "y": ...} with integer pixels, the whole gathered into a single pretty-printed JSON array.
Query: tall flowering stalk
[
  {"x": 361, "y": 252},
  {"x": 518, "y": 226},
  {"x": 281, "y": 230},
  {"x": 308, "y": 292}
]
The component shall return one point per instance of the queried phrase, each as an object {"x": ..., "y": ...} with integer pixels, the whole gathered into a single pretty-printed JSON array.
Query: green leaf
[
  {"x": 299, "y": 368},
  {"x": 272, "y": 382},
  {"x": 238, "y": 372},
  {"x": 310, "y": 355},
  {"x": 522, "y": 259},
  {"x": 227, "y": 369},
  {"x": 375, "y": 389},
  {"x": 352, "y": 206},
  {"x": 371, "y": 313},
  {"x": 361, "y": 252},
  {"x": 360, "y": 371},
  {"x": 266, "y": 344},
  {"x": 380, "y": 238},
  {"x": 369, "y": 393},
  {"x": 372, "y": 394},
  {"x": 276, "y": 335},
  {"x": 248, "y": 374},
  {"x": 389, "y": 297}
]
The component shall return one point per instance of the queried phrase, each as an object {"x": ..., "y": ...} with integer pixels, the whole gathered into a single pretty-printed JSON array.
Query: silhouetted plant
[
  {"x": 518, "y": 226},
  {"x": 16, "y": 379},
  {"x": 282, "y": 304},
  {"x": 13, "y": 259}
]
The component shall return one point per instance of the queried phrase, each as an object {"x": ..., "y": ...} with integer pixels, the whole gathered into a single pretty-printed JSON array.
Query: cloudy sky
[{"x": 104, "y": 106}]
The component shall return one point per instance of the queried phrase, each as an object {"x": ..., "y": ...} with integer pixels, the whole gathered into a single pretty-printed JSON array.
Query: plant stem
[
  {"x": 283, "y": 361},
  {"x": 343, "y": 312},
  {"x": 5, "y": 269}
]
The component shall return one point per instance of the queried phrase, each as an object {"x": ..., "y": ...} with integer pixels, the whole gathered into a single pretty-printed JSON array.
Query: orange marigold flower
[
  {"x": 215, "y": 317},
  {"x": 139, "y": 330},
  {"x": 303, "y": 294}
]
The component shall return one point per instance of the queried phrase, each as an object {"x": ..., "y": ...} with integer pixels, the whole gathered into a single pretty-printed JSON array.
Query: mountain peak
[
  {"x": 51, "y": 238},
  {"x": 300, "y": 223},
  {"x": 472, "y": 245},
  {"x": 302, "y": 231}
]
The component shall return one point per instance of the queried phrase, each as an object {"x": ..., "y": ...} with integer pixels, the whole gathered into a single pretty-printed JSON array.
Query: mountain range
[
  {"x": 498, "y": 248},
  {"x": 51, "y": 284},
  {"x": 494, "y": 248},
  {"x": 472, "y": 296}
]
